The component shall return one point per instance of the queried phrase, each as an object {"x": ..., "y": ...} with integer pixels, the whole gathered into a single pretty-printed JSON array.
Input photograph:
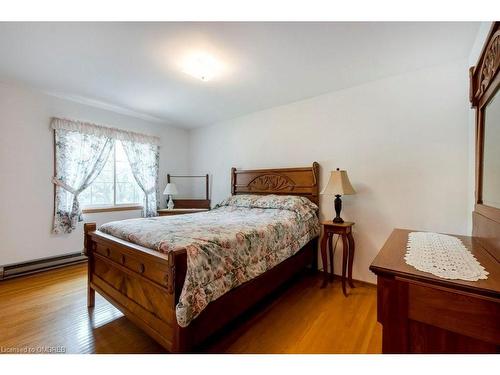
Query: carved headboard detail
[
  {"x": 285, "y": 181},
  {"x": 482, "y": 76},
  {"x": 270, "y": 181}
]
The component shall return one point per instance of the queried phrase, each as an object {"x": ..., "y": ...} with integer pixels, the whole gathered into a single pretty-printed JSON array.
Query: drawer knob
[
  {"x": 142, "y": 268},
  {"x": 108, "y": 252},
  {"x": 123, "y": 259}
]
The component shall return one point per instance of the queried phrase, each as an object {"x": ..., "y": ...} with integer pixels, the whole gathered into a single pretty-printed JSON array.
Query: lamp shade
[
  {"x": 170, "y": 189},
  {"x": 338, "y": 184}
]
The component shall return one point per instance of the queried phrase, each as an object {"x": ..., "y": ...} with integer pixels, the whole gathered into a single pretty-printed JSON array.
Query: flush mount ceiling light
[{"x": 202, "y": 66}]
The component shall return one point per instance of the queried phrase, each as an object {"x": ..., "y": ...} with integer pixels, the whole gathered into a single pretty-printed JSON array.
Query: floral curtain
[
  {"x": 81, "y": 151},
  {"x": 144, "y": 162},
  {"x": 80, "y": 158}
]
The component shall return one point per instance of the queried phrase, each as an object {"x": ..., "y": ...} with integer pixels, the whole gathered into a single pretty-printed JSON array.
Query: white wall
[
  {"x": 403, "y": 140},
  {"x": 27, "y": 166}
]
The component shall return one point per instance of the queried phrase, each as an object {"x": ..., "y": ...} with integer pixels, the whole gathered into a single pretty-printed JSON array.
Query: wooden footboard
[
  {"x": 138, "y": 281},
  {"x": 146, "y": 285}
]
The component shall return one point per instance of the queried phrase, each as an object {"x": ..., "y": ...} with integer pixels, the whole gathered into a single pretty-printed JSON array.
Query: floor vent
[{"x": 28, "y": 268}]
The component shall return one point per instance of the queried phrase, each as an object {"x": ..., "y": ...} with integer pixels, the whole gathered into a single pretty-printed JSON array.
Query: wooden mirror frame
[{"x": 484, "y": 83}]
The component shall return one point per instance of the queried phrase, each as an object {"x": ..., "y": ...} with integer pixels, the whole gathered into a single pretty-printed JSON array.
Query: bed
[{"x": 142, "y": 268}]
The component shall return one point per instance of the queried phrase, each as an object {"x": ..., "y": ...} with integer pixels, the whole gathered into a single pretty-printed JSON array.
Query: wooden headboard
[{"x": 283, "y": 181}]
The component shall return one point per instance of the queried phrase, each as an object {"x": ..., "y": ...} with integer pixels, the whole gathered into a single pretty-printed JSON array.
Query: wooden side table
[
  {"x": 179, "y": 211},
  {"x": 343, "y": 230}
]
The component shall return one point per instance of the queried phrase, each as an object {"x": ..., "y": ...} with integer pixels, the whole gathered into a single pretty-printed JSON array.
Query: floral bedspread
[{"x": 241, "y": 238}]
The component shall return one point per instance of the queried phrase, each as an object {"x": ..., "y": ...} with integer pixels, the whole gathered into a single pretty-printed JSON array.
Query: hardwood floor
[{"x": 301, "y": 318}]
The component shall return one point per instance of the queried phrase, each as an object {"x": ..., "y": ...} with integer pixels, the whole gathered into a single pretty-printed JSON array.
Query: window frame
[{"x": 115, "y": 206}]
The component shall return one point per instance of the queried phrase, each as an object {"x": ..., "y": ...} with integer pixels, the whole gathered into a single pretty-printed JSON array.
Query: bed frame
[{"x": 146, "y": 285}]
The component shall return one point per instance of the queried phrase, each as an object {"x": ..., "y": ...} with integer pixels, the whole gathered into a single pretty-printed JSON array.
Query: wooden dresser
[{"x": 423, "y": 313}]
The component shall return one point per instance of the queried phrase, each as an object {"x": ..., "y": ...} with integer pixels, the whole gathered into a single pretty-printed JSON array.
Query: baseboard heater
[{"x": 28, "y": 268}]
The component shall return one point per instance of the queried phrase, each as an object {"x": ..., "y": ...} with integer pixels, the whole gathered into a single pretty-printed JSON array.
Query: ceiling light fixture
[{"x": 201, "y": 66}]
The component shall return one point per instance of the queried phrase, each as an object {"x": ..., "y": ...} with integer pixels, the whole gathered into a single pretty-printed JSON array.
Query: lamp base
[
  {"x": 170, "y": 204},
  {"x": 338, "y": 207}
]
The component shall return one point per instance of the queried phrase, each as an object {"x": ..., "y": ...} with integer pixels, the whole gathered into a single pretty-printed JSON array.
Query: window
[{"x": 115, "y": 185}]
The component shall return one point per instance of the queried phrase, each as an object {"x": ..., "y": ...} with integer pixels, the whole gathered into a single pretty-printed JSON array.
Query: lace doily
[{"x": 443, "y": 256}]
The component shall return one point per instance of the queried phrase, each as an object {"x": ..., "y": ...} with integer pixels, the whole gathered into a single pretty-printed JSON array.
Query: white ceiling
[{"x": 135, "y": 66}]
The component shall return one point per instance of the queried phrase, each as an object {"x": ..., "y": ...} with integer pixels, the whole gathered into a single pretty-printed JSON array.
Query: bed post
[
  {"x": 233, "y": 180},
  {"x": 88, "y": 251},
  {"x": 315, "y": 193}
]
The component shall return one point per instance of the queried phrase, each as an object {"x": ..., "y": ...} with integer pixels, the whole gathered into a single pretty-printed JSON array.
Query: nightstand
[
  {"x": 344, "y": 231},
  {"x": 180, "y": 211}
]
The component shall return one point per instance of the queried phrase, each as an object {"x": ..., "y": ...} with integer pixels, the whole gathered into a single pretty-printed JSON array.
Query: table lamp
[
  {"x": 170, "y": 190},
  {"x": 338, "y": 185}
]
